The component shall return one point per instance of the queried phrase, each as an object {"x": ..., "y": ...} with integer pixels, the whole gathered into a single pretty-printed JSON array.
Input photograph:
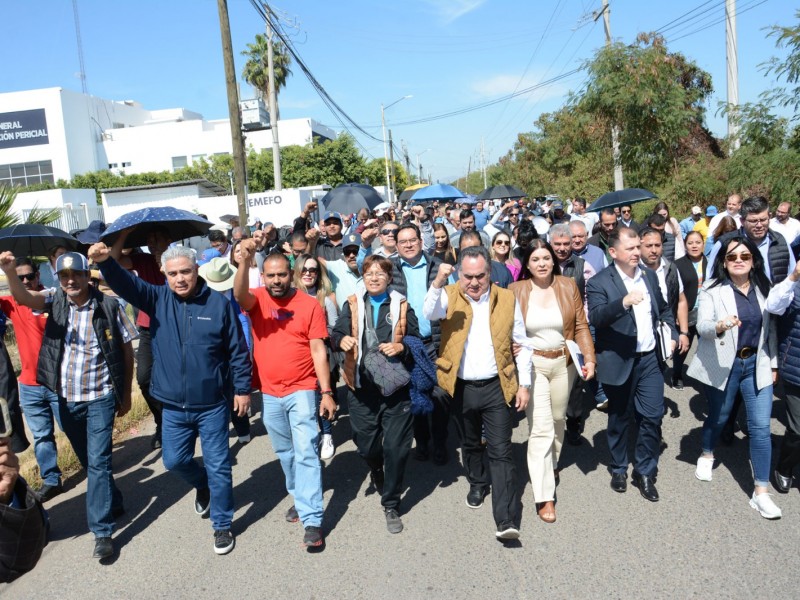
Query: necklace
[{"x": 742, "y": 288}]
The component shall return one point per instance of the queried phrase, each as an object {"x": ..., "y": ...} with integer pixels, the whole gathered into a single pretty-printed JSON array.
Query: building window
[
  {"x": 126, "y": 164},
  {"x": 197, "y": 157},
  {"x": 178, "y": 162},
  {"x": 24, "y": 174},
  {"x": 112, "y": 165}
]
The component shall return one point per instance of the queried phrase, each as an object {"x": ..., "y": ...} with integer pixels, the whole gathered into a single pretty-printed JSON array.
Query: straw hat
[{"x": 218, "y": 273}]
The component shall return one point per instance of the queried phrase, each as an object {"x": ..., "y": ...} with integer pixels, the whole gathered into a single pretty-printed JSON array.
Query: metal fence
[{"x": 72, "y": 218}]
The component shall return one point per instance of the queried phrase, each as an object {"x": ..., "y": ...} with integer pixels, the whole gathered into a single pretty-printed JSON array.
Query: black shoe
[
  {"x": 476, "y": 495},
  {"x": 646, "y": 485},
  {"x": 619, "y": 482},
  {"x": 376, "y": 477},
  {"x": 202, "y": 502},
  {"x": 223, "y": 541},
  {"x": 507, "y": 531},
  {"x": 313, "y": 537},
  {"x": 421, "y": 453},
  {"x": 155, "y": 441},
  {"x": 782, "y": 483},
  {"x": 103, "y": 548},
  {"x": 48, "y": 492},
  {"x": 677, "y": 383},
  {"x": 440, "y": 455},
  {"x": 393, "y": 522},
  {"x": 291, "y": 515},
  {"x": 574, "y": 437}
]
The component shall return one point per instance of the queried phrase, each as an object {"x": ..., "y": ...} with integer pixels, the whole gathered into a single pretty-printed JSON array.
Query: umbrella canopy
[
  {"x": 228, "y": 218},
  {"x": 35, "y": 240},
  {"x": 350, "y": 198},
  {"x": 409, "y": 191},
  {"x": 437, "y": 191},
  {"x": 620, "y": 198},
  {"x": 180, "y": 224},
  {"x": 501, "y": 191}
]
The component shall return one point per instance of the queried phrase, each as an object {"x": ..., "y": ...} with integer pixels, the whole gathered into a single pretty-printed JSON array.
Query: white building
[{"x": 53, "y": 133}]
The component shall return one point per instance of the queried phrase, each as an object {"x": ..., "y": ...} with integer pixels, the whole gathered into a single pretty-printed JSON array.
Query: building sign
[{"x": 23, "y": 128}]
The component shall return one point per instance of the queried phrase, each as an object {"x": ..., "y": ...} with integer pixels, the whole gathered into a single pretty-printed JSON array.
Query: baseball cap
[
  {"x": 696, "y": 210},
  {"x": 711, "y": 211},
  {"x": 332, "y": 215},
  {"x": 72, "y": 261},
  {"x": 352, "y": 239},
  {"x": 208, "y": 255},
  {"x": 557, "y": 205}
]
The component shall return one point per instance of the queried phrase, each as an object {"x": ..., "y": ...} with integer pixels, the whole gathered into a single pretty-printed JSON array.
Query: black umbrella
[
  {"x": 350, "y": 198},
  {"x": 34, "y": 240},
  {"x": 620, "y": 198},
  {"x": 501, "y": 191},
  {"x": 179, "y": 223}
]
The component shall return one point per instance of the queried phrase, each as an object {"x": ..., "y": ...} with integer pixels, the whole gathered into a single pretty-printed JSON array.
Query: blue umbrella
[
  {"x": 28, "y": 239},
  {"x": 438, "y": 191},
  {"x": 179, "y": 223},
  {"x": 350, "y": 198}
]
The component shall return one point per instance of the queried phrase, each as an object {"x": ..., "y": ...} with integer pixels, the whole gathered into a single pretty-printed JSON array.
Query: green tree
[
  {"x": 37, "y": 215},
  {"x": 256, "y": 70},
  {"x": 788, "y": 69}
]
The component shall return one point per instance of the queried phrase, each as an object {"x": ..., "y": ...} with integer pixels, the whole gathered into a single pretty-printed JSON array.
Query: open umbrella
[
  {"x": 437, "y": 191},
  {"x": 229, "y": 218},
  {"x": 180, "y": 224},
  {"x": 501, "y": 191},
  {"x": 409, "y": 191},
  {"x": 350, "y": 198},
  {"x": 34, "y": 240},
  {"x": 620, "y": 198}
]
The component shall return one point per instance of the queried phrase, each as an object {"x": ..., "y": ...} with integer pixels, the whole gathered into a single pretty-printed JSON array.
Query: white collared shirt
[
  {"x": 661, "y": 273},
  {"x": 642, "y": 312},
  {"x": 478, "y": 360}
]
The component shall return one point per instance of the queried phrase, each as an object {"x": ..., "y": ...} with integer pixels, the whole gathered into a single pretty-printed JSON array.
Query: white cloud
[
  {"x": 450, "y": 10},
  {"x": 503, "y": 84}
]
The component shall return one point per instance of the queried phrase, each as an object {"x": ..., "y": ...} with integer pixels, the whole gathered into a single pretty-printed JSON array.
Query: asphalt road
[{"x": 701, "y": 539}]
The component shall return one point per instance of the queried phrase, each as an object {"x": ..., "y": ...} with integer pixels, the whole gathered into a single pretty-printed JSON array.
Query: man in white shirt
[
  {"x": 579, "y": 214},
  {"x": 476, "y": 316},
  {"x": 787, "y": 226},
  {"x": 732, "y": 207}
]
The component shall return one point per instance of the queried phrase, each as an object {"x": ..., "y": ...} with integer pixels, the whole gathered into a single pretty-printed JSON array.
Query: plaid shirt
[{"x": 84, "y": 374}]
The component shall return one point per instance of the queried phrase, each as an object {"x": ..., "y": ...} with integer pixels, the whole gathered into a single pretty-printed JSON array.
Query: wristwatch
[
  {"x": 686, "y": 333},
  {"x": 527, "y": 386}
]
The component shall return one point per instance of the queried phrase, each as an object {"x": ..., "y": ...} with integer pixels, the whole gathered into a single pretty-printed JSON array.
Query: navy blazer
[{"x": 615, "y": 325}]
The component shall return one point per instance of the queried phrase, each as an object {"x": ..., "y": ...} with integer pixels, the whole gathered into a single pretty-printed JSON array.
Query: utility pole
[
  {"x": 733, "y": 73},
  {"x": 273, "y": 103},
  {"x": 466, "y": 179},
  {"x": 483, "y": 164},
  {"x": 391, "y": 168},
  {"x": 407, "y": 159},
  {"x": 239, "y": 167},
  {"x": 618, "y": 179}
]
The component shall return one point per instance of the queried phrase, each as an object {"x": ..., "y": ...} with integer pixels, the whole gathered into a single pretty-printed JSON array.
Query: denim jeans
[
  {"x": 40, "y": 407},
  {"x": 759, "y": 410},
  {"x": 89, "y": 426},
  {"x": 180, "y": 429},
  {"x": 291, "y": 422}
]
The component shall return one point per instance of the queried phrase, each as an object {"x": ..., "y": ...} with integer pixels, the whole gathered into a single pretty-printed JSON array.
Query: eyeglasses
[
  {"x": 311, "y": 270},
  {"x": 626, "y": 210},
  {"x": 27, "y": 277},
  {"x": 733, "y": 257},
  {"x": 410, "y": 242},
  {"x": 350, "y": 251},
  {"x": 502, "y": 243},
  {"x": 757, "y": 221},
  {"x": 388, "y": 231},
  {"x": 375, "y": 275}
]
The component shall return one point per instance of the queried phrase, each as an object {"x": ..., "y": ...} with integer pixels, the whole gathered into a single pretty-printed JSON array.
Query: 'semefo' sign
[{"x": 23, "y": 128}]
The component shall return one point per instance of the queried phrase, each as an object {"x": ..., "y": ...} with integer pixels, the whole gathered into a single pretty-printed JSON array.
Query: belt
[
  {"x": 558, "y": 353},
  {"x": 641, "y": 354},
  {"x": 480, "y": 382},
  {"x": 745, "y": 352}
]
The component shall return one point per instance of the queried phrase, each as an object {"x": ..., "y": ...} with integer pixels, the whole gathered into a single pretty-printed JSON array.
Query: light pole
[
  {"x": 419, "y": 167},
  {"x": 386, "y": 148}
]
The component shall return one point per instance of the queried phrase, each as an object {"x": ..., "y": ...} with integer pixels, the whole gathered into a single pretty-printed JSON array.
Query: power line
[
  {"x": 717, "y": 22},
  {"x": 670, "y": 25}
]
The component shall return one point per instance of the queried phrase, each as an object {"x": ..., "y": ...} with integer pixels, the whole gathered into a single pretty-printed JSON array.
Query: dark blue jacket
[
  {"x": 789, "y": 341},
  {"x": 200, "y": 358}
]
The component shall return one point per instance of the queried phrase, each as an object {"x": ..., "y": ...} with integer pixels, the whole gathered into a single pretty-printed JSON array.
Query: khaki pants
[{"x": 546, "y": 412}]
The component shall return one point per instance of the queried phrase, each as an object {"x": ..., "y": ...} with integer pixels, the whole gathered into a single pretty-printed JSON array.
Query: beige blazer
[{"x": 715, "y": 354}]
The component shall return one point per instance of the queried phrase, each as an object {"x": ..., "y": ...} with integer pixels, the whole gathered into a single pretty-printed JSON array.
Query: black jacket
[{"x": 400, "y": 285}]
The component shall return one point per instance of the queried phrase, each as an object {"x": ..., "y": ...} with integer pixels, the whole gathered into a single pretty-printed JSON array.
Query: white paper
[
  {"x": 577, "y": 357},
  {"x": 665, "y": 339}
]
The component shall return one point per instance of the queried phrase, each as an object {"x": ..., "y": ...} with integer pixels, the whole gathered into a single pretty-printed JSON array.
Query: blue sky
[{"x": 448, "y": 54}]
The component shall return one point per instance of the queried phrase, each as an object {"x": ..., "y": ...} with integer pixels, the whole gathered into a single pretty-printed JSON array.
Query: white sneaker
[
  {"x": 765, "y": 506},
  {"x": 704, "y": 468},
  {"x": 327, "y": 449}
]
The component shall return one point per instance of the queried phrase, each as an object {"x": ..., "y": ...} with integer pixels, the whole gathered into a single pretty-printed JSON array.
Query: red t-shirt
[
  {"x": 282, "y": 330},
  {"x": 29, "y": 329},
  {"x": 148, "y": 270}
]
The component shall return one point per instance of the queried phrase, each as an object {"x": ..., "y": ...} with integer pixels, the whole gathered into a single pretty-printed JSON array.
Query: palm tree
[
  {"x": 37, "y": 215},
  {"x": 256, "y": 71}
]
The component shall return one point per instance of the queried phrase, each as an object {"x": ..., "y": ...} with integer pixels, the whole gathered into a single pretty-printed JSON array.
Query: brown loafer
[{"x": 546, "y": 511}]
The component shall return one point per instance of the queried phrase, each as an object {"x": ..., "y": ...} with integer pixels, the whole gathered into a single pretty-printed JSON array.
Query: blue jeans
[
  {"x": 40, "y": 407},
  {"x": 180, "y": 429},
  {"x": 759, "y": 410},
  {"x": 324, "y": 424},
  {"x": 291, "y": 422},
  {"x": 89, "y": 426}
]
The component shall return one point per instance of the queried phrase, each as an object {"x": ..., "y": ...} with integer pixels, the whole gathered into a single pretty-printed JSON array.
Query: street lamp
[
  {"x": 419, "y": 168},
  {"x": 389, "y": 190}
]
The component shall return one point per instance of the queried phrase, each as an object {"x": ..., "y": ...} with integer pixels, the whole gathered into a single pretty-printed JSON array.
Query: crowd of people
[{"x": 479, "y": 314}]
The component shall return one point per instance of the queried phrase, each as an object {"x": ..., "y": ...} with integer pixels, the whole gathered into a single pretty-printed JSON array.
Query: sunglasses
[
  {"x": 350, "y": 251},
  {"x": 311, "y": 270},
  {"x": 501, "y": 243},
  {"x": 733, "y": 257},
  {"x": 388, "y": 231},
  {"x": 27, "y": 277}
]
